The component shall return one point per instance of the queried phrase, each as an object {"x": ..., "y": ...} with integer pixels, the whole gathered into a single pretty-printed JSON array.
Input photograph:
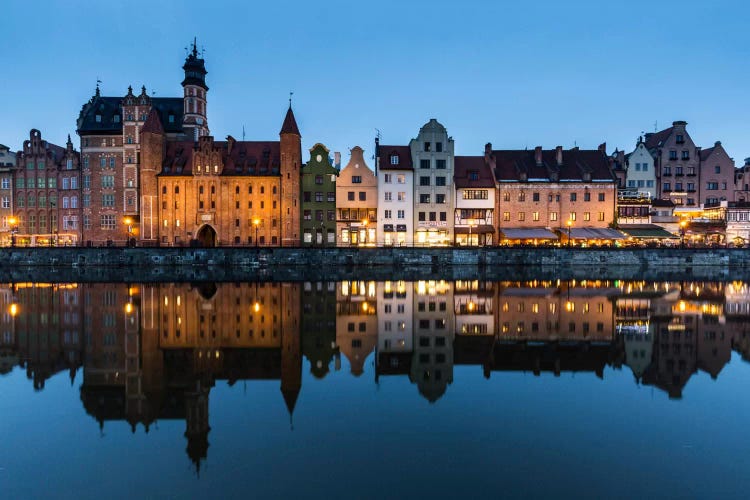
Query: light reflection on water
[{"x": 430, "y": 387}]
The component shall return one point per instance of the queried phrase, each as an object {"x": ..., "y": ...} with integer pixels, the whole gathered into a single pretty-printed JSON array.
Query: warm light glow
[
  {"x": 12, "y": 221},
  {"x": 471, "y": 306},
  {"x": 256, "y": 307},
  {"x": 256, "y": 222},
  {"x": 682, "y": 306},
  {"x": 128, "y": 308},
  {"x": 13, "y": 309},
  {"x": 683, "y": 224},
  {"x": 569, "y": 223},
  {"x": 128, "y": 221},
  {"x": 364, "y": 222},
  {"x": 364, "y": 306}
]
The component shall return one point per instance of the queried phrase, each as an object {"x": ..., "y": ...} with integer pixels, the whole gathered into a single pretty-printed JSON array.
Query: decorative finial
[
  {"x": 195, "y": 47},
  {"x": 290, "y": 99},
  {"x": 98, "y": 82}
]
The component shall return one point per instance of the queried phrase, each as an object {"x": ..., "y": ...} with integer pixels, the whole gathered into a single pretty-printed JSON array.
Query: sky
[{"x": 516, "y": 74}]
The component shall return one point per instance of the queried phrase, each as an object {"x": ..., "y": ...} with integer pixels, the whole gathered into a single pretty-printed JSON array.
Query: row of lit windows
[
  {"x": 553, "y": 197},
  {"x": 553, "y": 216}
]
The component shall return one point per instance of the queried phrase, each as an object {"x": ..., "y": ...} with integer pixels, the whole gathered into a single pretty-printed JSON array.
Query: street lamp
[
  {"x": 13, "y": 221},
  {"x": 129, "y": 223},
  {"x": 363, "y": 239},
  {"x": 471, "y": 225},
  {"x": 570, "y": 224},
  {"x": 256, "y": 223},
  {"x": 683, "y": 225}
]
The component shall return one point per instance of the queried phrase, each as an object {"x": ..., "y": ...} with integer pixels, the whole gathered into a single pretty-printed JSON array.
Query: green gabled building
[{"x": 318, "y": 221}]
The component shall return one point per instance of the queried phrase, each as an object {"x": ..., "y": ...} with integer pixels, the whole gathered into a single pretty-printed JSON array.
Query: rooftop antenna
[
  {"x": 656, "y": 126},
  {"x": 243, "y": 133}
]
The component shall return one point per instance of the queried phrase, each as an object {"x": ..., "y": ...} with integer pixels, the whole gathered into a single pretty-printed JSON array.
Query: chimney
[
  {"x": 680, "y": 124},
  {"x": 717, "y": 143},
  {"x": 538, "y": 156},
  {"x": 603, "y": 148},
  {"x": 337, "y": 160},
  {"x": 558, "y": 156},
  {"x": 230, "y": 144},
  {"x": 487, "y": 150}
]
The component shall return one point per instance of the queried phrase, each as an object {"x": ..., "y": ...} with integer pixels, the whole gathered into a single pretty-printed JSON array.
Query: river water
[{"x": 365, "y": 389}]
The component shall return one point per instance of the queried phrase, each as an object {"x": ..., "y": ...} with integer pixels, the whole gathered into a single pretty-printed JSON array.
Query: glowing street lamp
[
  {"x": 570, "y": 224},
  {"x": 364, "y": 225},
  {"x": 13, "y": 222},
  {"x": 256, "y": 223},
  {"x": 129, "y": 224},
  {"x": 472, "y": 223},
  {"x": 683, "y": 225}
]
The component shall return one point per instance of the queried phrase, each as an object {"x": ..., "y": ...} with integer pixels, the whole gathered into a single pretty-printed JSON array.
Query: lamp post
[
  {"x": 256, "y": 223},
  {"x": 471, "y": 225},
  {"x": 129, "y": 223},
  {"x": 322, "y": 234},
  {"x": 570, "y": 224},
  {"x": 13, "y": 230},
  {"x": 363, "y": 240},
  {"x": 683, "y": 225}
]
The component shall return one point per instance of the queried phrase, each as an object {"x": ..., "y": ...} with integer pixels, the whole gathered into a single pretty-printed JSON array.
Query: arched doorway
[{"x": 206, "y": 236}]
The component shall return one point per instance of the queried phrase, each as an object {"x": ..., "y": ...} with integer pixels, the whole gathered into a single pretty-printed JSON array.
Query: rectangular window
[
  {"x": 424, "y": 163},
  {"x": 356, "y": 179},
  {"x": 717, "y": 169},
  {"x": 86, "y": 200},
  {"x": 474, "y": 194},
  {"x": 424, "y": 180},
  {"x": 440, "y": 181},
  {"x": 573, "y": 196},
  {"x": 108, "y": 181},
  {"x": 601, "y": 196},
  {"x": 521, "y": 216},
  {"x": 443, "y": 216},
  {"x": 601, "y": 217},
  {"x": 362, "y": 196},
  {"x": 439, "y": 147},
  {"x": 424, "y": 198},
  {"x": 712, "y": 186},
  {"x": 506, "y": 216},
  {"x": 318, "y": 196},
  {"x": 587, "y": 216},
  {"x": 553, "y": 216},
  {"x": 41, "y": 182},
  {"x": 107, "y": 221},
  {"x": 402, "y": 196},
  {"x": 108, "y": 200},
  {"x": 440, "y": 164},
  {"x": 421, "y": 217},
  {"x": 388, "y": 196},
  {"x": 307, "y": 196},
  {"x": 401, "y": 179},
  {"x": 535, "y": 216},
  {"x": 331, "y": 197},
  {"x": 535, "y": 197},
  {"x": 440, "y": 199},
  {"x": 401, "y": 214},
  {"x": 388, "y": 214},
  {"x": 318, "y": 179},
  {"x": 387, "y": 178},
  {"x": 112, "y": 162},
  {"x": 433, "y": 216}
]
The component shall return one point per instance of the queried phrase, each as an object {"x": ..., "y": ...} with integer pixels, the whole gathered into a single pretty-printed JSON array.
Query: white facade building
[
  {"x": 641, "y": 175},
  {"x": 395, "y": 195}
]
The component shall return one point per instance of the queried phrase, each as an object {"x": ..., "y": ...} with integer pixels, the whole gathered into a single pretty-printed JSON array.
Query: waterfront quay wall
[{"x": 294, "y": 264}]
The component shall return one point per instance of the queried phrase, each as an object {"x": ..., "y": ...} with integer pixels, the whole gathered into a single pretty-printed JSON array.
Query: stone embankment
[{"x": 495, "y": 263}]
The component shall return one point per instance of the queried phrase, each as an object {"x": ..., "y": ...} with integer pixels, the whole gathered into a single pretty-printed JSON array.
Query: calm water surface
[{"x": 375, "y": 389}]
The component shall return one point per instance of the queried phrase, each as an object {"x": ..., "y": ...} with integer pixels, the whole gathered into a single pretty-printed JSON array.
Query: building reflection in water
[{"x": 154, "y": 352}]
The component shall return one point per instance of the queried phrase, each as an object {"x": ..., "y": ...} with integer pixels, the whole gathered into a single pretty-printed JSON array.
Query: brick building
[
  {"x": 152, "y": 173},
  {"x": 545, "y": 195},
  {"x": 686, "y": 174},
  {"x": 46, "y": 196}
]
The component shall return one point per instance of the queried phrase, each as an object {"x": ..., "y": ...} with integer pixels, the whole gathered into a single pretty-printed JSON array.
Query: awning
[
  {"x": 592, "y": 233},
  {"x": 532, "y": 233},
  {"x": 484, "y": 228},
  {"x": 388, "y": 228},
  {"x": 401, "y": 228},
  {"x": 646, "y": 231}
]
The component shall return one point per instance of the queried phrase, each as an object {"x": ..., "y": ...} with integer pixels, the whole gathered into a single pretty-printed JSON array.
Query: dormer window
[
  {"x": 143, "y": 117},
  {"x": 394, "y": 159},
  {"x": 680, "y": 139},
  {"x": 98, "y": 118},
  {"x": 116, "y": 118},
  {"x": 171, "y": 118},
  {"x": 473, "y": 175}
]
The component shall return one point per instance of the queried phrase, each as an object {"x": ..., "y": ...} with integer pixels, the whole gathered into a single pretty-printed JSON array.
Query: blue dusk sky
[{"x": 517, "y": 74}]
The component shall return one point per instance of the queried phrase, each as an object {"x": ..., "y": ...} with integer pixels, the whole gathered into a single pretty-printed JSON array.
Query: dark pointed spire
[
  {"x": 290, "y": 398},
  {"x": 195, "y": 46},
  {"x": 290, "y": 124},
  {"x": 69, "y": 144},
  {"x": 143, "y": 91},
  {"x": 195, "y": 68}
]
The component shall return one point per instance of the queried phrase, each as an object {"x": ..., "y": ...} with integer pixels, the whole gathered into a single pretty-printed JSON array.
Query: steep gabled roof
[
  {"x": 656, "y": 139},
  {"x": 109, "y": 107},
  {"x": 244, "y": 158},
  {"x": 153, "y": 123},
  {"x": 577, "y": 164}
]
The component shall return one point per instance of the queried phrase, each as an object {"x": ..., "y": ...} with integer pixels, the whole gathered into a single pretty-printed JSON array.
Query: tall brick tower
[
  {"x": 195, "y": 89},
  {"x": 152, "y": 156},
  {"x": 291, "y": 160}
]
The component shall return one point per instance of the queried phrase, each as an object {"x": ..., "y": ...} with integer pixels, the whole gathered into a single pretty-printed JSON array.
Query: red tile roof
[
  {"x": 404, "y": 157},
  {"x": 245, "y": 158},
  {"x": 577, "y": 165},
  {"x": 464, "y": 165}
]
